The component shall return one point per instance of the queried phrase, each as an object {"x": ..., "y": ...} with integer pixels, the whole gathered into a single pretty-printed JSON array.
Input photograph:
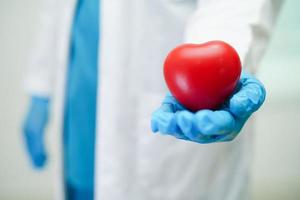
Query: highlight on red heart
[{"x": 202, "y": 76}]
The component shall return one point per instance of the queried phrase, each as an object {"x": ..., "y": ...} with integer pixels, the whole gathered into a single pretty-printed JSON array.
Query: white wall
[
  {"x": 276, "y": 164},
  {"x": 277, "y": 160}
]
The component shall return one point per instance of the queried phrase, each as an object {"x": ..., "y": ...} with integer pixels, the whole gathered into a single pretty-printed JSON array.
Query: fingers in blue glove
[
  {"x": 33, "y": 129},
  {"x": 187, "y": 126},
  {"x": 36, "y": 150},
  {"x": 218, "y": 122},
  {"x": 249, "y": 98},
  {"x": 205, "y": 126},
  {"x": 163, "y": 120}
]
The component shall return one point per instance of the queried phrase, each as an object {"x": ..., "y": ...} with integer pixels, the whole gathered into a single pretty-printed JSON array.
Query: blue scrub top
[{"x": 81, "y": 92}]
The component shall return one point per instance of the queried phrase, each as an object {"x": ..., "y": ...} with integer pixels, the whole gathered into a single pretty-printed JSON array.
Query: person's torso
[
  {"x": 136, "y": 35},
  {"x": 131, "y": 160}
]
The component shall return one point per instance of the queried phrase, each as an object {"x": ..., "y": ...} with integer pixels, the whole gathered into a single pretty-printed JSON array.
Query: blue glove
[
  {"x": 207, "y": 126},
  {"x": 34, "y": 128}
]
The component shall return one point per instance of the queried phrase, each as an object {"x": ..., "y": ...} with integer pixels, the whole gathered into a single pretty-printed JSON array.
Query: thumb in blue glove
[
  {"x": 207, "y": 126},
  {"x": 34, "y": 128}
]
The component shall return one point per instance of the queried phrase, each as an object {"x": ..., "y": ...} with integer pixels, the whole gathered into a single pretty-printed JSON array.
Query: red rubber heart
[{"x": 202, "y": 76}]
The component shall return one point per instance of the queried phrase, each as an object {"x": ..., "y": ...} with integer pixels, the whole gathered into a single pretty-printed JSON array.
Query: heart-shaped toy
[{"x": 202, "y": 76}]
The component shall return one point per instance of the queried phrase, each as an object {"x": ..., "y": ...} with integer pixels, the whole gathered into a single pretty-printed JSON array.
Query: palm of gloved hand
[
  {"x": 34, "y": 128},
  {"x": 207, "y": 126}
]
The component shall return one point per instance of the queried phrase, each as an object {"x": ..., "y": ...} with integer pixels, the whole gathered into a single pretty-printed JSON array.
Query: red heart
[{"x": 202, "y": 76}]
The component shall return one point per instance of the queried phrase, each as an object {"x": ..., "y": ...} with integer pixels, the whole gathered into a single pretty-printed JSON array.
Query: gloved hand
[
  {"x": 34, "y": 128},
  {"x": 207, "y": 126}
]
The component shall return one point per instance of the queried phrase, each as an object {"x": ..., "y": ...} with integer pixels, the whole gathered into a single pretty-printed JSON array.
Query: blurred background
[{"x": 276, "y": 166}]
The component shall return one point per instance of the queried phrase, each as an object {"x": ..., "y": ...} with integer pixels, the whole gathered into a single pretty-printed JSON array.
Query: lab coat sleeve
[
  {"x": 42, "y": 61},
  {"x": 245, "y": 24}
]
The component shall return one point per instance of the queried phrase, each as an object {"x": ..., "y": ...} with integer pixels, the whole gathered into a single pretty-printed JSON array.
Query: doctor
[{"x": 131, "y": 163}]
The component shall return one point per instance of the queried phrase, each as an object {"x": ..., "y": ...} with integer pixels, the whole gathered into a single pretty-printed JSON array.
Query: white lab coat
[{"x": 131, "y": 162}]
